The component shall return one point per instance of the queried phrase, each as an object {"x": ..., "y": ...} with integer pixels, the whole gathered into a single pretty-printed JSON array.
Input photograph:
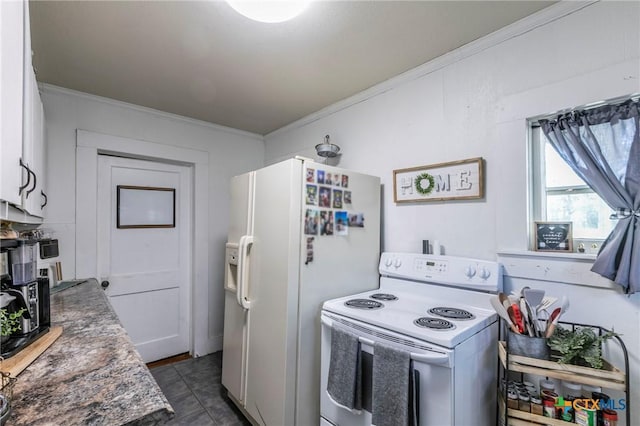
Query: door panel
[
  {"x": 273, "y": 294},
  {"x": 234, "y": 344},
  {"x": 151, "y": 324},
  {"x": 149, "y": 269},
  {"x": 122, "y": 284},
  {"x": 234, "y": 347},
  {"x": 342, "y": 265}
]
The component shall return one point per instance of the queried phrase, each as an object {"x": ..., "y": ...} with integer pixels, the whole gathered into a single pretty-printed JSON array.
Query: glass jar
[
  {"x": 512, "y": 400},
  {"x": 536, "y": 405},
  {"x": 549, "y": 407},
  {"x": 571, "y": 390},
  {"x": 588, "y": 390},
  {"x": 609, "y": 417},
  {"x": 524, "y": 403},
  {"x": 547, "y": 385}
]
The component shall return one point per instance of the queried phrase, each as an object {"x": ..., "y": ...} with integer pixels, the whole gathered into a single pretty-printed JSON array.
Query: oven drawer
[{"x": 434, "y": 366}]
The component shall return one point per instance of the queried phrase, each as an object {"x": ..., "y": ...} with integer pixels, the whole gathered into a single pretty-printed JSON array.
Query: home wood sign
[{"x": 456, "y": 180}]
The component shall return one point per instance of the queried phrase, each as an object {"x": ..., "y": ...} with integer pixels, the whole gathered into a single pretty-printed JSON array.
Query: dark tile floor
[{"x": 194, "y": 391}]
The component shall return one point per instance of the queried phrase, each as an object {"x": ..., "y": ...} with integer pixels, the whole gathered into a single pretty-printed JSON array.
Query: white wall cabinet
[
  {"x": 22, "y": 193},
  {"x": 33, "y": 195},
  {"x": 11, "y": 95}
]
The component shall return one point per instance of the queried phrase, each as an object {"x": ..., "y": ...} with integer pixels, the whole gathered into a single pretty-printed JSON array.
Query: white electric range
[{"x": 437, "y": 308}]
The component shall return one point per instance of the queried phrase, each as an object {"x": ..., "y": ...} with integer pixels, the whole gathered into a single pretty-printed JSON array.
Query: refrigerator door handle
[
  {"x": 241, "y": 259},
  {"x": 246, "y": 241}
]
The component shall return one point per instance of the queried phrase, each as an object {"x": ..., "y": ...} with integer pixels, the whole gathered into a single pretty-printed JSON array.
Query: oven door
[{"x": 433, "y": 364}]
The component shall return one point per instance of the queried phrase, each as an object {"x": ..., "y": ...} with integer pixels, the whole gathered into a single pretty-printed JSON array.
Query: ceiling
[{"x": 201, "y": 59}]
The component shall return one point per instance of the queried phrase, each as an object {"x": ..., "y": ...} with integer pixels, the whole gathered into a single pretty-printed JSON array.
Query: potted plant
[
  {"x": 9, "y": 322},
  {"x": 581, "y": 346}
]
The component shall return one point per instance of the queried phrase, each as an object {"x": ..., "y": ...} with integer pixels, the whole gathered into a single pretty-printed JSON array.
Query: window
[{"x": 558, "y": 194}]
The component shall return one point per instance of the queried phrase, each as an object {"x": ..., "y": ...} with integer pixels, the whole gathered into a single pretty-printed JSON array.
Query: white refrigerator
[{"x": 300, "y": 233}]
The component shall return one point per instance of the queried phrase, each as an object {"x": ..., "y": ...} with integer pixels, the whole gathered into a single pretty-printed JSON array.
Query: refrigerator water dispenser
[{"x": 231, "y": 267}]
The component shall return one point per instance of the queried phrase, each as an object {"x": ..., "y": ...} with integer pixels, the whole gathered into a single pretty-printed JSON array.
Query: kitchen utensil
[
  {"x": 495, "y": 302},
  {"x": 552, "y": 321},
  {"x": 532, "y": 319},
  {"x": 506, "y": 302},
  {"x": 517, "y": 314},
  {"x": 525, "y": 318},
  {"x": 543, "y": 319},
  {"x": 519, "y": 293},
  {"x": 564, "y": 304},
  {"x": 533, "y": 296},
  {"x": 504, "y": 299},
  {"x": 547, "y": 302}
]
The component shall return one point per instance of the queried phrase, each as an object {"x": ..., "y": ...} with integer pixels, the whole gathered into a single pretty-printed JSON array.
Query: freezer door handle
[{"x": 246, "y": 241}]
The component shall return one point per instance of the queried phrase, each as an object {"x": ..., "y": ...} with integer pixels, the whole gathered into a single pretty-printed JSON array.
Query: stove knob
[
  {"x": 470, "y": 271},
  {"x": 397, "y": 263},
  {"x": 485, "y": 273},
  {"x": 388, "y": 262}
]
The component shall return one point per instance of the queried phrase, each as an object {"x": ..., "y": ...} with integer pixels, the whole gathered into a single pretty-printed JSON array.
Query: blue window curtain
[{"x": 602, "y": 146}]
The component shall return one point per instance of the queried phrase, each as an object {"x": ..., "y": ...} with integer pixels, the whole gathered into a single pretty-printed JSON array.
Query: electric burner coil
[
  {"x": 432, "y": 323},
  {"x": 451, "y": 313},
  {"x": 363, "y": 304},
  {"x": 384, "y": 296}
]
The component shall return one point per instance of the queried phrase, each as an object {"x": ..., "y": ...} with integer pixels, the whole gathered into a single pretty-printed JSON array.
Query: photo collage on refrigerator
[{"x": 328, "y": 200}]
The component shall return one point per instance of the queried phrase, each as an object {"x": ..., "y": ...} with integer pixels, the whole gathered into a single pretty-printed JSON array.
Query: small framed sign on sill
[{"x": 553, "y": 236}]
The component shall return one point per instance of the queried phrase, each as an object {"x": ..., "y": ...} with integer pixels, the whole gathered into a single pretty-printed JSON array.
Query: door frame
[{"x": 88, "y": 146}]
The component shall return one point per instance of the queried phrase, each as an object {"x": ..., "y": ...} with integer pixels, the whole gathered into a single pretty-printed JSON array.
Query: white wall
[
  {"x": 474, "y": 102},
  {"x": 230, "y": 152}
]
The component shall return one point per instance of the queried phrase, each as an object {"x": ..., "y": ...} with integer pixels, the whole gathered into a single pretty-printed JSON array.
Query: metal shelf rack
[{"x": 608, "y": 377}]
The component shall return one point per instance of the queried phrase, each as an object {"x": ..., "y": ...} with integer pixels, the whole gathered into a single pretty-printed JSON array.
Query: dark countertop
[{"x": 91, "y": 375}]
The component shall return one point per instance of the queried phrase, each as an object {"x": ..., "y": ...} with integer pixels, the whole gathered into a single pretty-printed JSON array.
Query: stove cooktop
[
  {"x": 442, "y": 300},
  {"x": 441, "y": 322}
]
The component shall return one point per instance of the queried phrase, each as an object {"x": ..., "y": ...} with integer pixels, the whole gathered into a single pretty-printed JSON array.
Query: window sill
[
  {"x": 556, "y": 267},
  {"x": 584, "y": 257}
]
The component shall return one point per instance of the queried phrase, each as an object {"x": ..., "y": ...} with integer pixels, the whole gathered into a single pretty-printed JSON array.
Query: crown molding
[
  {"x": 518, "y": 28},
  {"x": 167, "y": 115}
]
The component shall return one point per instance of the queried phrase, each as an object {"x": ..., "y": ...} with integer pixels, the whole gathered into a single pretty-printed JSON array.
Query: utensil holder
[{"x": 523, "y": 345}]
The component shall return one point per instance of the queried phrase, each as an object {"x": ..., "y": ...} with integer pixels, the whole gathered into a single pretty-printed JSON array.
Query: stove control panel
[
  {"x": 432, "y": 266},
  {"x": 446, "y": 270}
]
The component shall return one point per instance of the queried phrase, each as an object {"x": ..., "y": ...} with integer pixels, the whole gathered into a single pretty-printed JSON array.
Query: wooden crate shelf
[
  {"x": 609, "y": 377},
  {"x": 518, "y": 418}
]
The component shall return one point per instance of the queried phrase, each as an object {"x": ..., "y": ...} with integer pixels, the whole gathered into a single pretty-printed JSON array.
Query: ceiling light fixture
[
  {"x": 327, "y": 149},
  {"x": 269, "y": 11}
]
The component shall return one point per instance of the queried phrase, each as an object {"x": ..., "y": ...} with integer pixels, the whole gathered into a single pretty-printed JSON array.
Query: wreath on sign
[{"x": 424, "y": 183}]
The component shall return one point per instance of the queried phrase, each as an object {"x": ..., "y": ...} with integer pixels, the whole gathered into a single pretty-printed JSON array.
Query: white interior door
[{"x": 148, "y": 268}]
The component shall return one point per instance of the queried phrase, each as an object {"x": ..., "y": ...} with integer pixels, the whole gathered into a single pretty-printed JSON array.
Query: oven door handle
[{"x": 438, "y": 358}]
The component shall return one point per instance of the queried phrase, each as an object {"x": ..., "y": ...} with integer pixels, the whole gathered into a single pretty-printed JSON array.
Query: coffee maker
[{"x": 23, "y": 291}]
